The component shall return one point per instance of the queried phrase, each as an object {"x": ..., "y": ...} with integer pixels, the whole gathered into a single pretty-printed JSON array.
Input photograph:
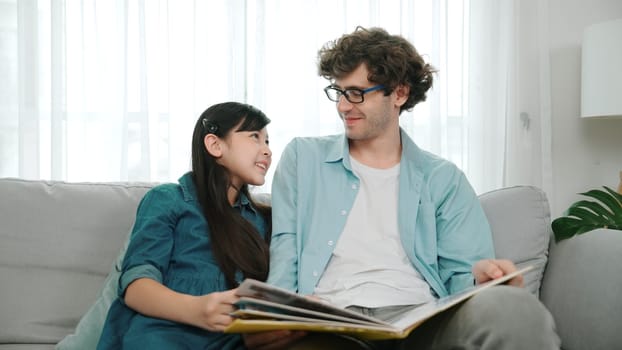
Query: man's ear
[
  {"x": 212, "y": 145},
  {"x": 401, "y": 94}
]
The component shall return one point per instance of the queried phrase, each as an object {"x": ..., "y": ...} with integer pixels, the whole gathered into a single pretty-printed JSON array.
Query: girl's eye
[{"x": 255, "y": 135}]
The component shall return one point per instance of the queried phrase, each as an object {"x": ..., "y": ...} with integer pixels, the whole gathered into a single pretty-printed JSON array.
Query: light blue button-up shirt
[{"x": 442, "y": 226}]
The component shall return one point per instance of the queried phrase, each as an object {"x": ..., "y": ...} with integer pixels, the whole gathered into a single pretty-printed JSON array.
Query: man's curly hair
[{"x": 390, "y": 59}]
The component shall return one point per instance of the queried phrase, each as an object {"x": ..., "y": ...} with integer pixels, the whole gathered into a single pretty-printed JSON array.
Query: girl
[{"x": 194, "y": 241}]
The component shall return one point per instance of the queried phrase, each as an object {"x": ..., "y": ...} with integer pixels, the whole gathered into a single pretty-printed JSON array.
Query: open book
[{"x": 263, "y": 307}]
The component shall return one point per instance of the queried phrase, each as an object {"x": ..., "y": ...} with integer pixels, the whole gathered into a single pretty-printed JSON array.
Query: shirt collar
[
  {"x": 340, "y": 150},
  {"x": 243, "y": 201},
  {"x": 187, "y": 187},
  {"x": 410, "y": 151},
  {"x": 190, "y": 193}
]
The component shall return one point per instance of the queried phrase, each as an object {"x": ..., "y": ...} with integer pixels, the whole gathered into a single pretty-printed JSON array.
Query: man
[{"x": 370, "y": 222}]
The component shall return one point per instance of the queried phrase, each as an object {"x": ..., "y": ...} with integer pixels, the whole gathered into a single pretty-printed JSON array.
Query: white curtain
[{"x": 109, "y": 90}]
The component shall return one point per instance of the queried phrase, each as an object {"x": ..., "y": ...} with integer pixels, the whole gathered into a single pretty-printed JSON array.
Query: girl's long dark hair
[{"x": 236, "y": 243}]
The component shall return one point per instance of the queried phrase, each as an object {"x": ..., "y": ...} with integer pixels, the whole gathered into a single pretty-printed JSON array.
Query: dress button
[
  {"x": 343, "y": 212},
  {"x": 314, "y": 273},
  {"x": 330, "y": 243},
  {"x": 354, "y": 186}
]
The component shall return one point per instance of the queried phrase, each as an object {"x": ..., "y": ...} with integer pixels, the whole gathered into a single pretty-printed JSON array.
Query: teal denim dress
[{"x": 170, "y": 243}]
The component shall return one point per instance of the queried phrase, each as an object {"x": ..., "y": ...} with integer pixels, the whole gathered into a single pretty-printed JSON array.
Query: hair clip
[{"x": 210, "y": 127}]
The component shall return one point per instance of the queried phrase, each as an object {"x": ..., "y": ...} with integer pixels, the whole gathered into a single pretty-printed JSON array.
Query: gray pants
[{"x": 501, "y": 317}]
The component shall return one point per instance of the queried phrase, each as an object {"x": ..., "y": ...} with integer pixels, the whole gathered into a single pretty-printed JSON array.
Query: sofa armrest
[{"x": 581, "y": 288}]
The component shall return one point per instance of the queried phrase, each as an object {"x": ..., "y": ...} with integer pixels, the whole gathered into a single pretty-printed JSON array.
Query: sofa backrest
[
  {"x": 57, "y": 236},
  {"x": 54, "y": 237}
]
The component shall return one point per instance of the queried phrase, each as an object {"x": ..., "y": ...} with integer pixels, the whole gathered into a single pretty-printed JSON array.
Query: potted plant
[{"x": 587, "y": 215}]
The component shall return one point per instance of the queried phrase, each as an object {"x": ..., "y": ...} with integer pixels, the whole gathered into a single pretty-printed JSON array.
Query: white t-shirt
[{"x": 369, "y": 267}]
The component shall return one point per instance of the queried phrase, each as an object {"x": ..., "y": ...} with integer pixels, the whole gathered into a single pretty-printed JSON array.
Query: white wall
[{"x": 586, "y": 152}]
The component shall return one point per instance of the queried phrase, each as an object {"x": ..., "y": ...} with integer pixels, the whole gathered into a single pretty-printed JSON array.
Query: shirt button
[
  {"x": 343, "y": 212},
  {"x": 330, "y": 243},
  {"x": 354, "y": 186},
  {"x": 314, "y": 273}
]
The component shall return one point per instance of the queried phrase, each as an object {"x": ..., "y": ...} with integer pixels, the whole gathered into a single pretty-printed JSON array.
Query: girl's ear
[{"x": 212, "y": 145}]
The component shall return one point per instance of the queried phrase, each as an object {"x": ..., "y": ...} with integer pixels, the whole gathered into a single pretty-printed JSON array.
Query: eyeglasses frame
[{"x": 345, "y": 93}]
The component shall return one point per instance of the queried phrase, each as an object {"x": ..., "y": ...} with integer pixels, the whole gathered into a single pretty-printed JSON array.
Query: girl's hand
[
  {"x": 153, "y": 299},
  {"x": 214, "y": 310}
]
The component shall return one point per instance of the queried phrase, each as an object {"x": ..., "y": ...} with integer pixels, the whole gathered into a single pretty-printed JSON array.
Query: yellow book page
[{"x": 364, "y": 332}]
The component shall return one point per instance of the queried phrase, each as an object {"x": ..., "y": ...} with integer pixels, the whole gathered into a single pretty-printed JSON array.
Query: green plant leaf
[
  {"x": 588, "y": 216},
  {"x": 584, "y": 215},
  {"x": 566, "y": 227},
  {"x": 607, "y": 199},
  {"x": 616, "y": 195},
  {"x": 595, "y": 207}
]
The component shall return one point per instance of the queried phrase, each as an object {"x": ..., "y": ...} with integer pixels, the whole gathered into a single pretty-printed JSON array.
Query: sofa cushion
[
  {"x": 90, "y": 327},
  {"x": 520, "y": 221},
  {"x": 581, "y": 288},
  {"x": 57, "y": 237}
]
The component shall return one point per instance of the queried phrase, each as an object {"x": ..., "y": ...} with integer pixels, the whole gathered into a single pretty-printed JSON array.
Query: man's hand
[
  {"x": 489, "y": 269},
  {"x": 273, "y": 340}
]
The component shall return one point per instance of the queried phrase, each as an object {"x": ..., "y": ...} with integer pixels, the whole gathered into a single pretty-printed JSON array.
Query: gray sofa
[{"x": 59, "y": 242}]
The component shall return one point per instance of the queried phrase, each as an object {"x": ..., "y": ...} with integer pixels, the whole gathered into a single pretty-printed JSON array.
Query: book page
[
  {"x": 259, "y": 315},
  {"x": 251, "y": 288},
  {"x": 415, "y": 316},
  {"x": 280, "y": 310}
]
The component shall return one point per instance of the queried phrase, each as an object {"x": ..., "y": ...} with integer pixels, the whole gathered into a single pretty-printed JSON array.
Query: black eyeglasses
[{"x": 353, "y": 95}]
